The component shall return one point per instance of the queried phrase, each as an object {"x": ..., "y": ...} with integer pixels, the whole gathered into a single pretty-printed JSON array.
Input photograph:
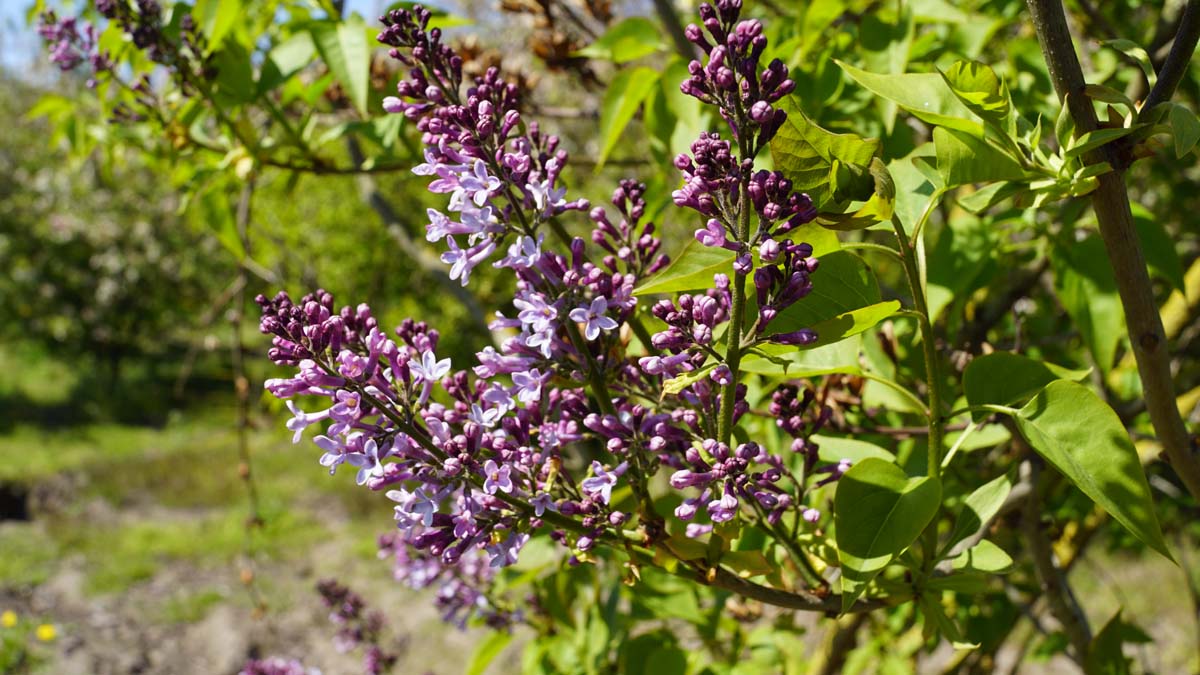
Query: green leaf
[
  {"x": 847, "y": 324},
  {"x": 971, "y": 583},
  {"x": 1105, "y": 655},
  {"x": 1162, "y": 255},
  {"x": 806, "y": 153},
  {"x": 843, "y": 283},
  {"x": 686, "y": 548},
  {"x": 487, "y": 651},
  {"x": 834, "y": 449},
  {"x": 1086, "y": 287},
  {"x": 235, "y": 74},
  {"x": 1084, "y": 439},
  {"x": 747, "y": 564},
  {"x": 935, "y": 616},
  {"x": 635, "y": 653},
  {"x": 692, "y": 269},
  {"x": 1004, "y": 378},
  {"x": 878, "y": 512},
  {"x": 680, "y": 382},
  {"x": 667, "y": 661},
  {"x": 978, "y": 508},
  {"x": 981, "y": 91},
  {"x": 925, "y": 95},
  {"x": 1186, "y": 129},
  {"x": 285, "y": 60},
  {"x": 215, "y": 18},
  {"x": 1064, "y": 126},
  {"x": 216, "y": 212},
  {"x": 1134, "y": 51},
  {"x": 878, "y": 207},
  {"x": 630, "y": 39},
  {"x": 963, "y": 253},
  {"x": 1094, "y": 139},
  {"x": 345, "y": 49},
  {"x": 781, "y": 360},
  {"x": 963, "y": 158},
  {"x": 623, "y": 98},
  {"x": 983, "y": 557},
  {"x": 820, "y": 239}
]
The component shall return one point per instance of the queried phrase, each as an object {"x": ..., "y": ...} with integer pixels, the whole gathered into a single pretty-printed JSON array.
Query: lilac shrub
[{"x": 563, "y": 430}]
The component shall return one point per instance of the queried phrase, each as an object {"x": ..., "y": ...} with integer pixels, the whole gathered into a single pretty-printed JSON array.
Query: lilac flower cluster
[
  {"x": 72, "y": 43},
  {"x": 731, "y": 80},
  {"x": 357, "y": 627},
  {"x": 502, "y": 177},
  {"x": 480, "y": 460},
  {"x": 463, "y": 588}
]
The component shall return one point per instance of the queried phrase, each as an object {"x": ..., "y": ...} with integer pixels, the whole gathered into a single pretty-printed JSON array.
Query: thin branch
[
  {"x": 1176, "y": 65},
  {"x": 842, "y": 640},
  {"x": 1053, "y": 582},
  {"x": 1110, "y": 201},
  {"x": 670, "y": 20}
]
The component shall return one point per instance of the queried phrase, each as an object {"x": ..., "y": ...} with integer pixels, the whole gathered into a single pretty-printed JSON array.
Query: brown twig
[{"x": 1053, "y": 581}]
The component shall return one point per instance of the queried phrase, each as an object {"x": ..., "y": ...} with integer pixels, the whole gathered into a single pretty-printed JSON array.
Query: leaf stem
[
  {"x": 933, "y": 379},
  {"x": 869, "y": 246}
]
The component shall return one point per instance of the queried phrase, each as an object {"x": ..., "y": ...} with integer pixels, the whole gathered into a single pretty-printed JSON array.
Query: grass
[
  {"x": 190, "y": 607},
  {"x": 28, "y": 556},
  {"x": 176, "y": 498}
]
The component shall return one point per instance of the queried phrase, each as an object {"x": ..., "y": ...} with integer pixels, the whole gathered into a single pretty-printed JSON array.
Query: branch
[
  {"x": 1053, "y": 582},
  {"x": 670, "y": 21},
  {"x": 842, "y": 640},
  {"x": 1110, "y": 201},
  {"x": 830, "y": 604},
  {"x": 1176, "y": 65}
]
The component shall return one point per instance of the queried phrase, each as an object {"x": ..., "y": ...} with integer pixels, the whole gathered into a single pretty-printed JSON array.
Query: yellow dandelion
[
  {"x": 8, "y": 619},
  {"x": 46, "y": 632}
]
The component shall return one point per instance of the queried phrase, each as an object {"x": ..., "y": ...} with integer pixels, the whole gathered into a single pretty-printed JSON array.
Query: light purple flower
[
  {"x": 524, "y": 253},
  {"x": 369, "y": 461},
  {"x": 413, "y": 507},
  {"x": 505, "y": 553},
  {"x": 497, "y": 477},
  {"x": 600, "y": 485},
  {"x": 535, "y": 312},
  {"x": 696, "y": 530},
  {"x": 462, "y": 261},
  {"x": 485, "y": 418},
  {"x": 478, "y": 185},
  {"x": 593, "y": 317},
  {"x": 721, "y": 375},
  {"x": 542, "y": 503},
  {"x": 429, "y": 369},
  {"x": 546, "y": 196},
  {"x": 333, "y": 456},
  {"x": 529, "y": 385},
  {"x": 301, "y": 420}
]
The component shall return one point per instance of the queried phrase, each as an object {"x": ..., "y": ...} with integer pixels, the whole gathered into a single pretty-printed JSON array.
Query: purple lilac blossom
[{"x": 474, "y": 459}]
